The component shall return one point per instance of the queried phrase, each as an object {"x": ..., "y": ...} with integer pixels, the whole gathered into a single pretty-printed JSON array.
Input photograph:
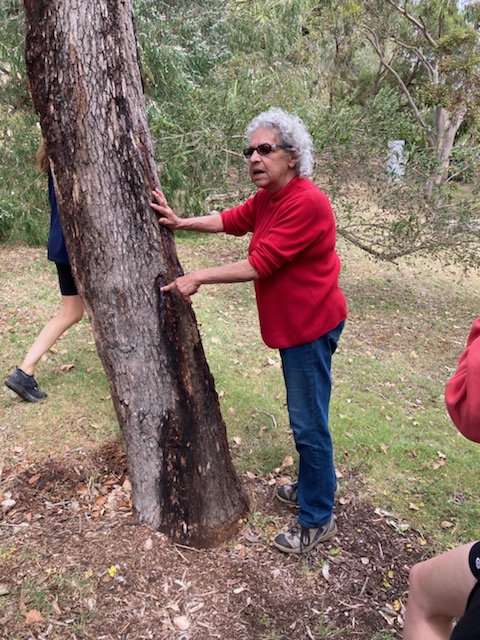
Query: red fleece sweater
[
  {"x": 293, "y": 250},
  {"x": 462, "y": 393}
]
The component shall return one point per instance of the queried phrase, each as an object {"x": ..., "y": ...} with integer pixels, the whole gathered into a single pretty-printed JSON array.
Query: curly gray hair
[{"x": 293, "y": 133}]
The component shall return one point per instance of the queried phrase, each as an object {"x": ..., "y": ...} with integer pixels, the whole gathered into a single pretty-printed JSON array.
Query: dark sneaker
[
  {"x": 288, "y": 493},
  {"x": 299, "y": 539},
  {"x": 25, "y": 386}
]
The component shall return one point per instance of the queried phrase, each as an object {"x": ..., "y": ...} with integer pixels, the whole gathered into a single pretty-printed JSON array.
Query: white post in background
[{"x": 396, "y": 160}]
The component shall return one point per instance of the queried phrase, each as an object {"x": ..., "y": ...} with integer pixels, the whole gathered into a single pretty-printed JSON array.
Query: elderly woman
[{"x": 302, "y": 310}]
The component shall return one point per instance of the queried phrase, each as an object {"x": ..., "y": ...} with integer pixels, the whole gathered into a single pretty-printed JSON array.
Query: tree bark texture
[{"x": 86, "y": 86}]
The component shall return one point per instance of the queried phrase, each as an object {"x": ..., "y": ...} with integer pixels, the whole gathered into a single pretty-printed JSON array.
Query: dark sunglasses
[{"x": 263, "y": 149}]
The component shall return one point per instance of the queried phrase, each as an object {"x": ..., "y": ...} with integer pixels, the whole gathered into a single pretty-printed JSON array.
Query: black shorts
[
  {"x": 65, "y": 280},
  {"x": 467, "y": 628}
]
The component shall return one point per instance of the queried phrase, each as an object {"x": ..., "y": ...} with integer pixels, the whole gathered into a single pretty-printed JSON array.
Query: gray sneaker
[
  {"x": 288, "y": 493},
  {"x": 25, "y": 386},
  {"x": 299, "y": 539}
]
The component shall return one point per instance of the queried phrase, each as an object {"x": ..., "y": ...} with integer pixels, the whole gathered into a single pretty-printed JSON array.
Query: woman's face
[{"x": 273, "y": 171}]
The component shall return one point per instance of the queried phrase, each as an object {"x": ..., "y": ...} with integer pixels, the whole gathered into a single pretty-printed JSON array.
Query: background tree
[
  {"x": 85, "y": 82},
  {"x": 433, "y": 54}
]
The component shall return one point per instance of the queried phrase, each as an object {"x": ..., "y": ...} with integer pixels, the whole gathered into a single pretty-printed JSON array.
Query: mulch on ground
[{"x": 75, "y": 564}]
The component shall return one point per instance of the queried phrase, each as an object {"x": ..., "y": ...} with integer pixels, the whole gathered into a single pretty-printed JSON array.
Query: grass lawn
[{"x": 407, "y": 327}]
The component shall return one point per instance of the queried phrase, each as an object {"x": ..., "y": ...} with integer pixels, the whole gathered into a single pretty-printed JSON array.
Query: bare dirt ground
[{"x": 70, "y": 546}]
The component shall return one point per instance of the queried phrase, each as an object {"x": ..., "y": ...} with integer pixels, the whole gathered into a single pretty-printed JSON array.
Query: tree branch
[
  {"x": 412, "y": 249},
  {"x": 417, "y": 23},
  {"x": 432, "y": 72},
  {"x": 375, "y": 44}
]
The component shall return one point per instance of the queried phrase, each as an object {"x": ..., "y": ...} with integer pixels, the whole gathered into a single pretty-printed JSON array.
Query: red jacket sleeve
[{"x": 462, "y": 392}]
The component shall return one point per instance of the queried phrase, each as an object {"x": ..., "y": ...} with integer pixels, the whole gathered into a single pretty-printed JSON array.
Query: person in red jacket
[
  {"x": 302, "y": 310},
  {"x": 462, "y": 393},
  {"x": 448, "y": 586}
]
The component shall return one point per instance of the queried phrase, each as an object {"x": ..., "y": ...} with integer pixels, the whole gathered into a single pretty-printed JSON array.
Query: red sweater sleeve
[
  {"x": 462, "y": 393},
  {"x": 299, "y": 224}
]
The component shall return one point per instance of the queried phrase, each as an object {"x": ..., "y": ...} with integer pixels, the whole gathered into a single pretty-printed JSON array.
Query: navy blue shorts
[{"x": 65, "y": 280}]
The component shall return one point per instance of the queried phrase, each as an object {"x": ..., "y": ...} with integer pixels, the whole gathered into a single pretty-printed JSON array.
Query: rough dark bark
[{"x": 86, "y": 86}]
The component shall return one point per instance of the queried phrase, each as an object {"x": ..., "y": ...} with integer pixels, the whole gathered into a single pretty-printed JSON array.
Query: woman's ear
[{"x": 293, "y": 159}]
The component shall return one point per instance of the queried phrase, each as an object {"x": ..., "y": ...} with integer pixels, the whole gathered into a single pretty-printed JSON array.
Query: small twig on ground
[
  {"x": 380, "y": 549},
  {"x": 362, "y": 590},
  {"x": 181, "y": 554},
  {"x": 270, "y": 415}
]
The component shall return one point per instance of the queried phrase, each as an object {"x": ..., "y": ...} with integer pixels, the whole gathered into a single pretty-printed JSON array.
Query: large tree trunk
[{"x": 85, "y": 82}]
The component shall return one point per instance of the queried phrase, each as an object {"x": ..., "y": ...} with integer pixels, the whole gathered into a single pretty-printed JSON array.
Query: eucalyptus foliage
[
  {"x": 23, "y": 200},
  {"x": 210, "y": 66}
]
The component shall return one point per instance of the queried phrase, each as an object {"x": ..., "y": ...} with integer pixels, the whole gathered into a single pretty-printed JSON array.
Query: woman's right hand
[{"x": 168, "y": 217}]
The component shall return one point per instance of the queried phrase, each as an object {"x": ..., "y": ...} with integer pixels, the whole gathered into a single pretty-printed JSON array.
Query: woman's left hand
[{"x": 186, "y": 286}]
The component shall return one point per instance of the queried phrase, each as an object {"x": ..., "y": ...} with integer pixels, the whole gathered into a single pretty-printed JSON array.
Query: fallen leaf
[
  {"x": 446, "y": 524},
  {"x": 8, "y": 504},
  {"x": 326, "y": 570},
  {"x": 250, "y": 536},
  {"x": 239, "y": 590},
  {"x": 34, "y": 479},
  {"x": 33, "y": 617},
  {"x": 67, "y": 367},
  {"x": 148, "y": 544}
]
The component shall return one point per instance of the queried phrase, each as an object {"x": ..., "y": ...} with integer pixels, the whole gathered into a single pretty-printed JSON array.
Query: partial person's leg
[
  {"x": 22, "y": 380},
  {"x": 71, "y": 311},
  {"x": 438, "y": 592},
  {"x": 307, "y": 372}
]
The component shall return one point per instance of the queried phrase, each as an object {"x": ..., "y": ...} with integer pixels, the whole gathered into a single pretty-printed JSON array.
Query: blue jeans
[{"x": 307, "y": 373}]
